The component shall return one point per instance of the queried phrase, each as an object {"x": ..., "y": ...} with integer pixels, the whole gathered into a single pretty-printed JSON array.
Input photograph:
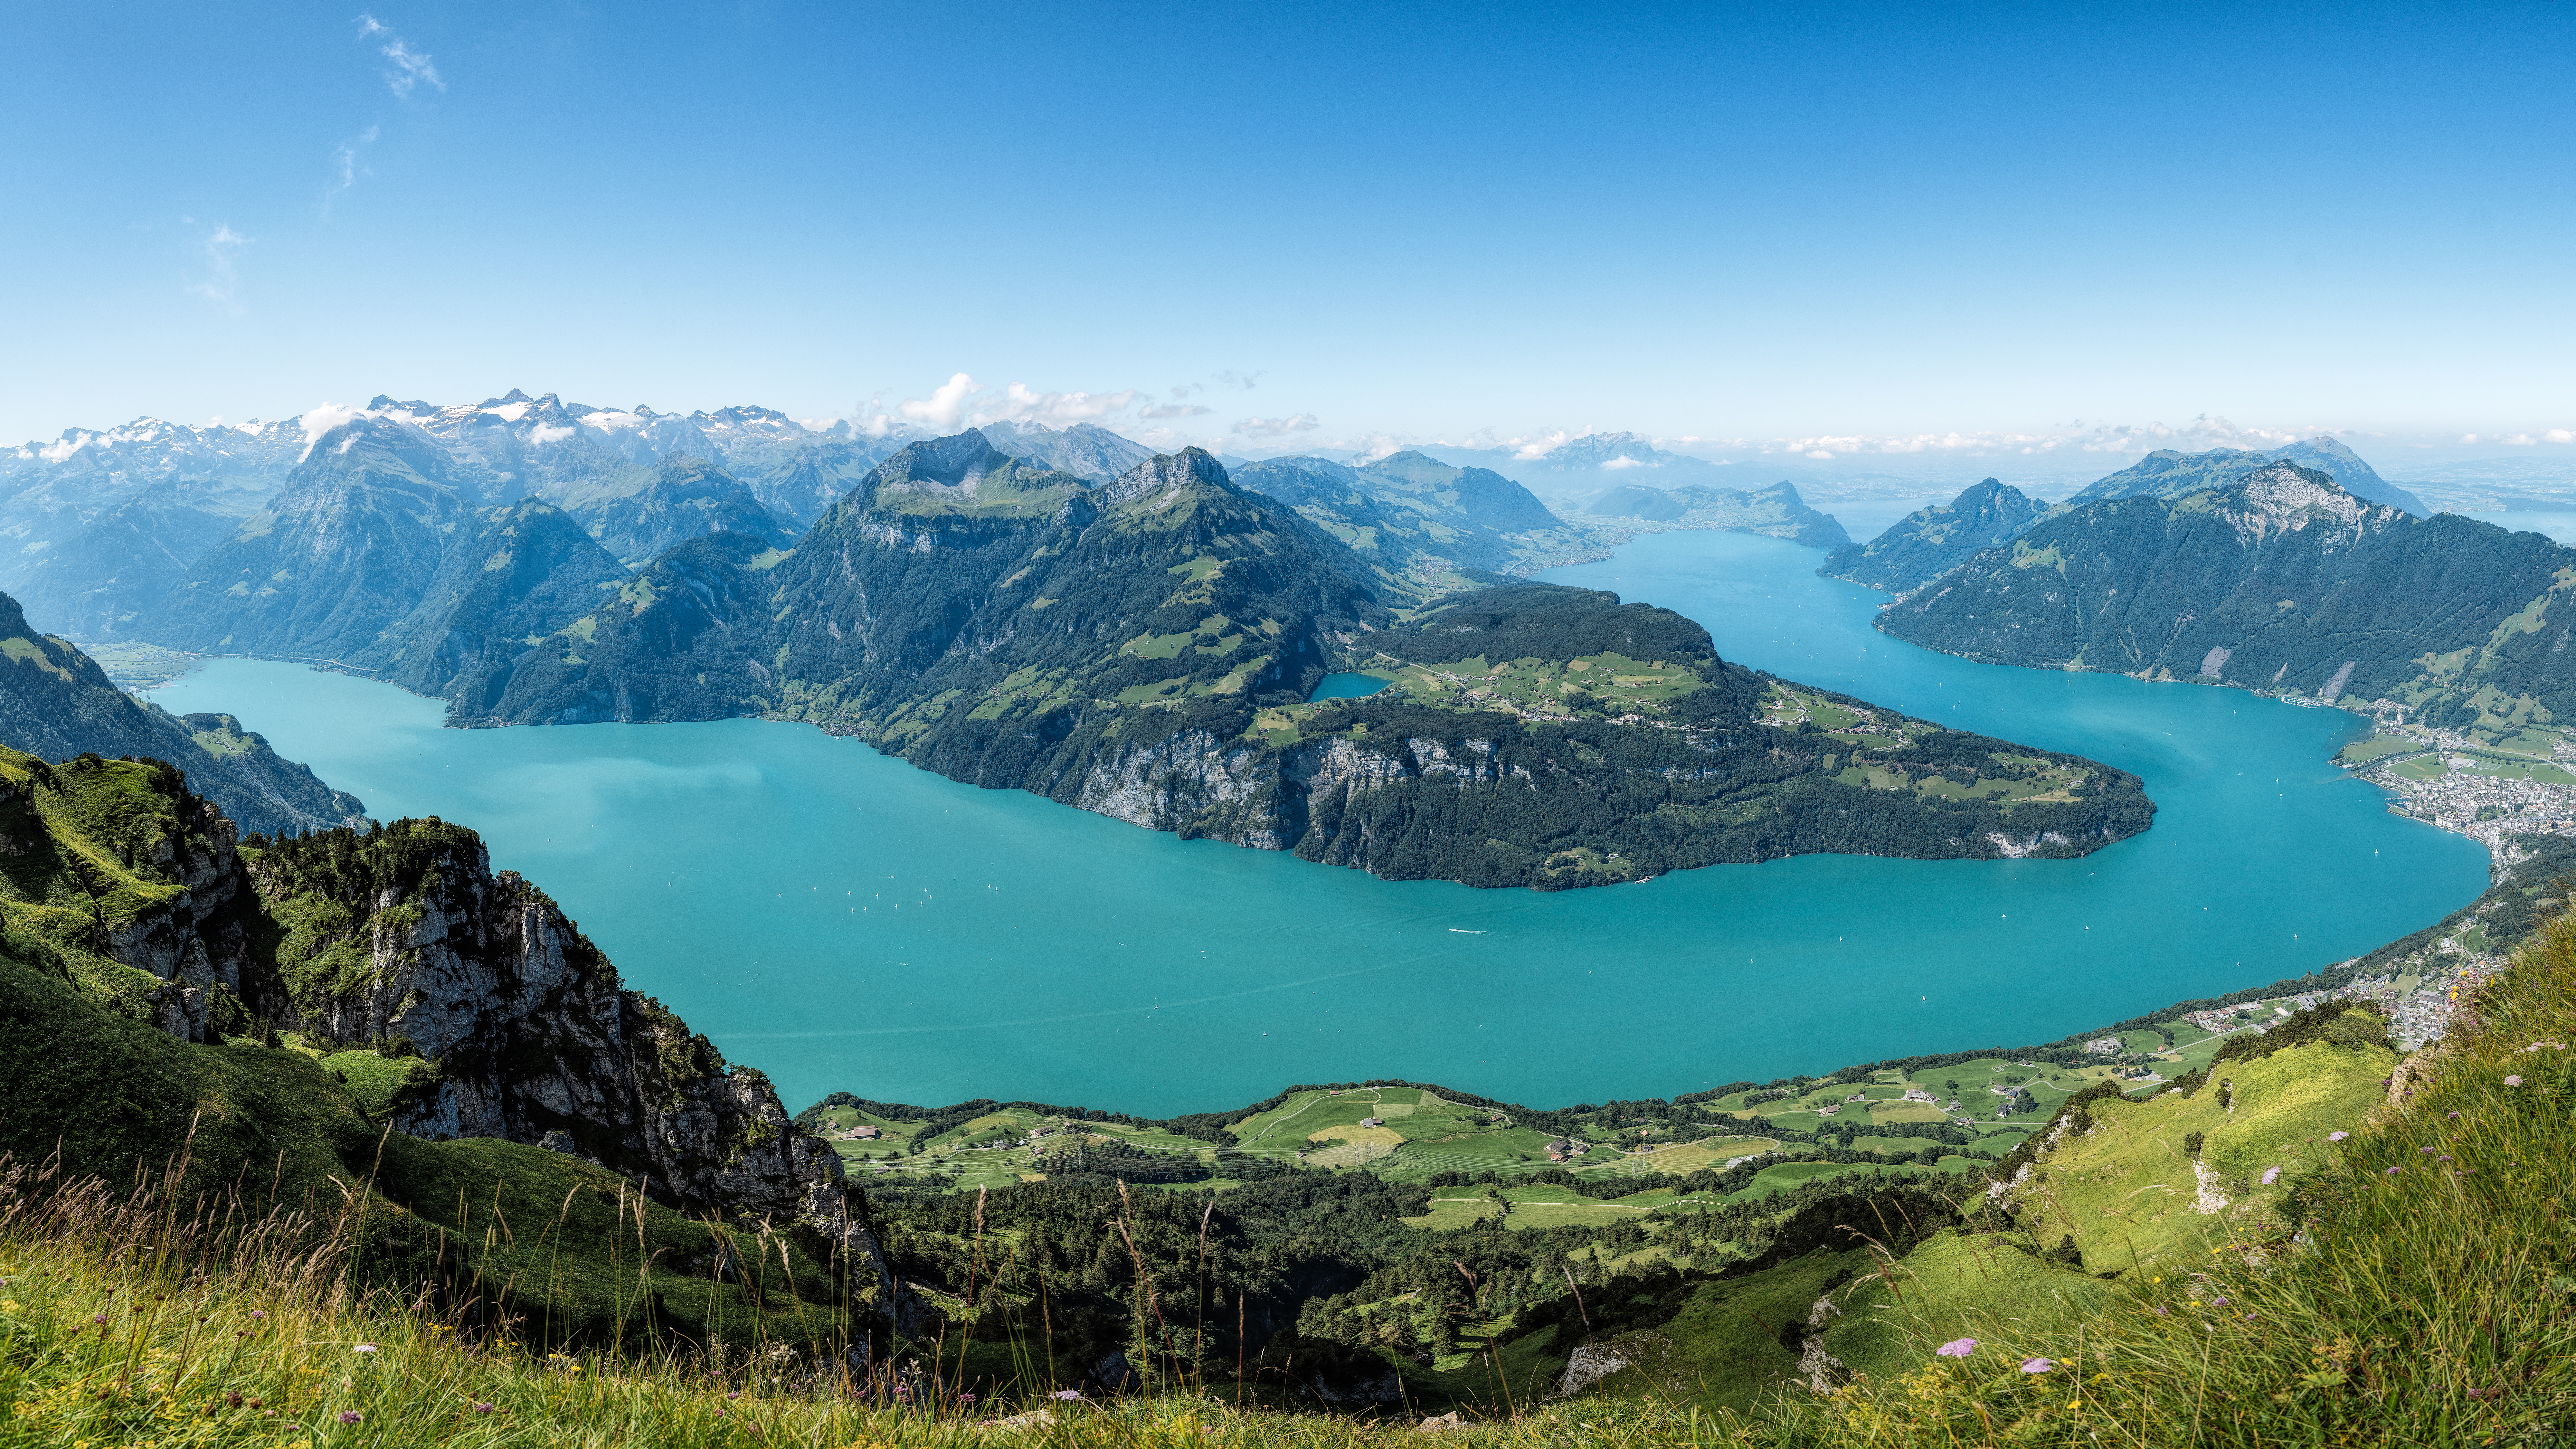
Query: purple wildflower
[
  {"x": 2513, "y": 1081},
  {"x": 2337, "y": 1136},
  {"x": 2037, "y": 1365},
  {"x": 1066, "y": 1394},
  {"x": 482, "y": 1408},
  {"x": 2218, "y": 1302},
  {"x": 2455, "y": 1115},
  {"x": 1957, "y": 1348},
  {"x": 259, "y": 1313},
  {"x": 350, "y": 1416},
  {"x": 2271, "y": 1175},
  {"x": 965, "y": 1398},
  {"x": 364, "y": 1348},
  {"x": 99, "y": 1318},
  {"x": 2392, "y": 1172}
]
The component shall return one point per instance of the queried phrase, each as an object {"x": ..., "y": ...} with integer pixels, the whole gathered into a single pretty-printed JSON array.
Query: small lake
[
  {"x": 1345, "y": 686},
  {"x": 848, "y": 922}
]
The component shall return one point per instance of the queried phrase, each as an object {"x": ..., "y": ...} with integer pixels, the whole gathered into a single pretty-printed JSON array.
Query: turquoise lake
[
  {"x": 1345, "y": 686},
  {"x": 848, "y": 922}
]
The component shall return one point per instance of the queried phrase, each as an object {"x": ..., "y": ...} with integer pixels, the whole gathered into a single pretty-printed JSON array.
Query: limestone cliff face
[
  {"x": 408, "y": 934},
  {"x": 1202, "y": 787}
]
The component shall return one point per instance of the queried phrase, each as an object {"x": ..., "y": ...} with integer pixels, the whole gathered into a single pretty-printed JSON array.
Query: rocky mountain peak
[
  {"x": 1168, "y": 473},
  {"x": 959, "y": 460},
  {"x": 2287, "y": 488}
]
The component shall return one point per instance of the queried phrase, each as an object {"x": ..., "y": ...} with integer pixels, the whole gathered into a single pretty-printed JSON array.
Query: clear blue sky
[{"x": 1751, "y": 222}]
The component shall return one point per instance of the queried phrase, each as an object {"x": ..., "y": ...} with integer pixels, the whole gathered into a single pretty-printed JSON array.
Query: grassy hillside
[{"x": 2407, "y": 1285}]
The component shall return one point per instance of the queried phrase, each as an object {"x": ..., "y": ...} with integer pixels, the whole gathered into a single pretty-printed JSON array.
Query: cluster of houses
[{"x": 1566, "y": 1149}]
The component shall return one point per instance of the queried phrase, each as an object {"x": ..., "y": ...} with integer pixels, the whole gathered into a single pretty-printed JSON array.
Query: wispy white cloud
[
  {"x": 223, "y": 275},
  {"x": 406, "y": 69},
  {"x": 1245, "y": 380},
  {"x": 1269, "y": 428},
  {"x": 347, "y": 165},
  {"x": 1174, "y": 410},
  {"x": 323, "y": 419},
  {"x": 1055, "y": 409}
]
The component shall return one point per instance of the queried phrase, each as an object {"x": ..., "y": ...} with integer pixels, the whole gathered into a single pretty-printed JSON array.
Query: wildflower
[
  {"x": 482, "y": 1408},
  {"x": 2163, "y": 1312},
  {"x": 350, "y": 1416},
  {"x": 2427, "y": 1151},
  {"x": 2218, "y": 1302},
  {"x": 965, "y": 1398},
  {"x": 259, "y": 1313},
  {"x": 2271, "y": 1175},
  {"x": 2445, "y": 1157},
  {"x": 364, "y": 1348},
  {"x": 2392, "y": 1172},
  {"x": 2037, "y": 1365},
  {"x": 2337, "y": 1136},
  {"x": 2513, "y": 1081},
  {"x": 99, "y": 1318},
  {"x": 2455, "y": 1116},
  {"x": 1066, "y": 1394},
  {"x": 233, "y": 1399},
  {"x": 736, "y": 1394},
  {"x": 1957, "y": 1348}
]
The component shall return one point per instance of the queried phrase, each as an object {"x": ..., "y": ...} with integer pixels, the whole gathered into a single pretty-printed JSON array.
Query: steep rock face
[
  {"x": 349, "y": 546},
  {"x": 408, "y": 933},
  {"x": 1930, "y": 542},
  {"x": 2282, "y": 580},
  {"x": 55, "y": 702}
]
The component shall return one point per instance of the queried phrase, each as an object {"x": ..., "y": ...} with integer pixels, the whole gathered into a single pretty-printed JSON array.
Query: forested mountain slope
[
  {"x": 55, "y": 702},
  {"x": 513, "y": 574},
  {"x": 1930, "y": 542},
  {"x": 2281, "y": 581}
]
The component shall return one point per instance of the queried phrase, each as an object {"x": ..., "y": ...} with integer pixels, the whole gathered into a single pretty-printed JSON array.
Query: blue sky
[{"x": 1790, "y": 223}]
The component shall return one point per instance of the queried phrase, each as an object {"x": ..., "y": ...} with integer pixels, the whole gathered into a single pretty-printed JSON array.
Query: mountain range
[
  {"x": 2280, "y": 580},
  {"x": 1930, "y": 542}
]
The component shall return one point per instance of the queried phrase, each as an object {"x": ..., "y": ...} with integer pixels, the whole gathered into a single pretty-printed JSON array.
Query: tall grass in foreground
[
  {"x": 2428, "y": 1295},
  {"x": 126, "y": 1320}
]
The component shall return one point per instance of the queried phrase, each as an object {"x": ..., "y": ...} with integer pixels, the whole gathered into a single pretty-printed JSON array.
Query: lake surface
[
  {"x": 848, "y": 922},
  {"x": 1345, "y": 686}
]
